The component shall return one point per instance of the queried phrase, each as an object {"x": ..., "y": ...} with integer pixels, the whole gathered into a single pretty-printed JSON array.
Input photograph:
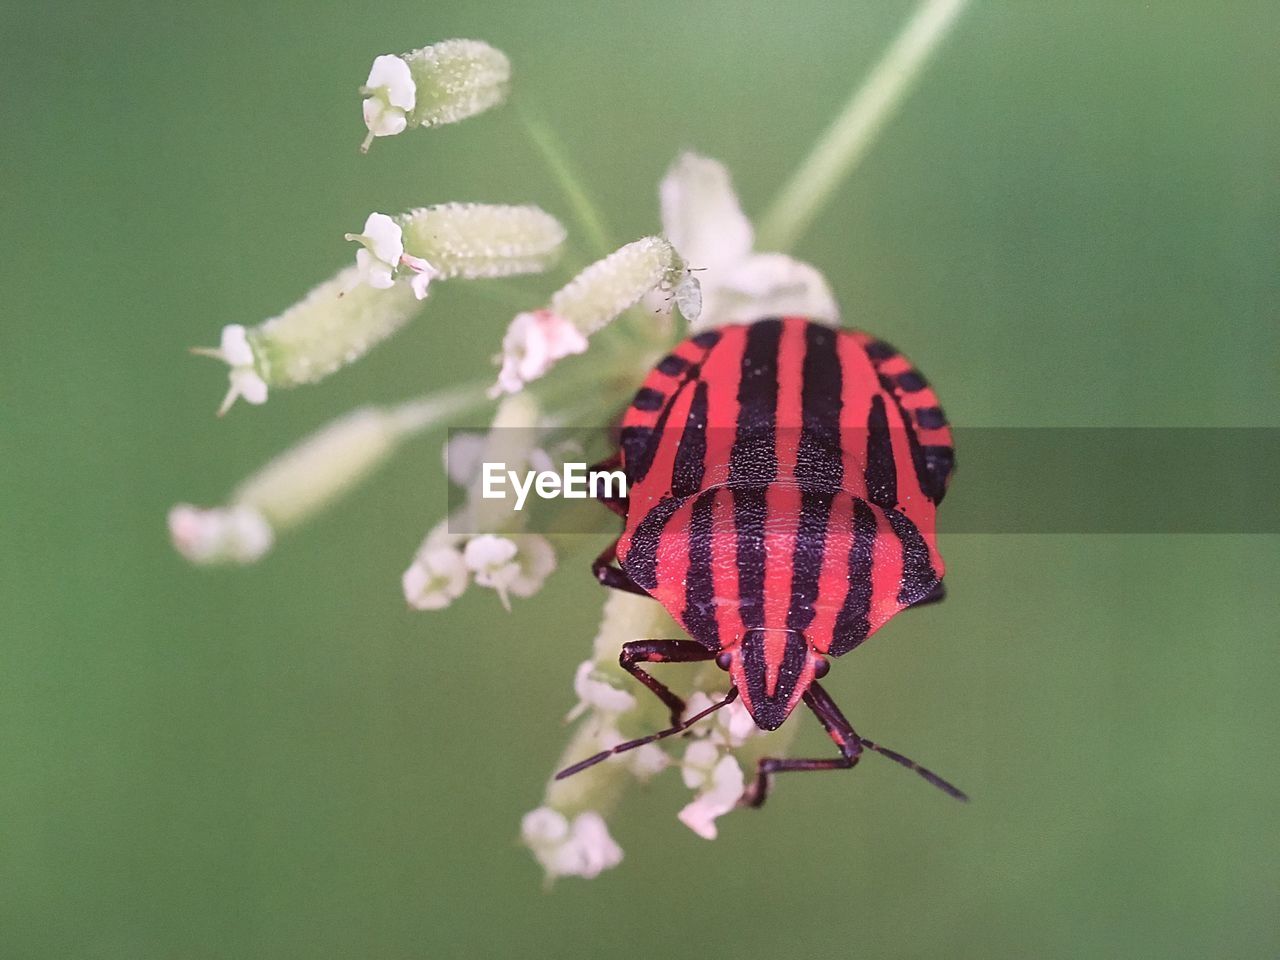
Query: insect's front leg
[
  {"x": 662, "y": 651},
  {"x": 614, "y": 577},
  {"x": 837, "y": 727}
]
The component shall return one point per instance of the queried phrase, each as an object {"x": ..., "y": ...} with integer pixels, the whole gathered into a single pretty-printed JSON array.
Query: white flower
[
  {"x": 582, "y": 848},
  {"x": 391, "y": 94},
  {"x": 436, "y": 578},
  {"x": 234, "y": 350},
  {"x": 236, "y": 534},
  {"x": 702, "y": 218},
  {"x": 509, "y": 569},
  {"x": 534, "y": 341},
  {"x": 720, "y": 790},
  {"x": 383, "y": 246},
  {"x": 596, "y": 694},
  {"x": 730, "y": 726}
]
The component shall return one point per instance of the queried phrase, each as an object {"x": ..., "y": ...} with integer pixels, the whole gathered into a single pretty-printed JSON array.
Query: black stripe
[
  {"x": 748, "y": 521},
  {"x": 699, "y": 615},
  {"x": 691, "y": 453},
  {"x": 930, "y": 418},
  {"x": 806, "y": 560},
  {"x": 672, "y": 365},
  {"x": 912, "y": 381},
  {"x": 640, "y": 444},
  {"x": 648, "y": 399},
  {"x": 882, "y": 473},
  {"x": 754, "y": 459},
  {"x": 852, "y": 622},
  {"x": 641, "y": 561},
  {"x": 819, "y": 463},
  {"x": 918, "y": 576},
  {"x": 770, "y": 711},
  {"x": 879, "y": 350},
  {"x": 707, "y": 339}
]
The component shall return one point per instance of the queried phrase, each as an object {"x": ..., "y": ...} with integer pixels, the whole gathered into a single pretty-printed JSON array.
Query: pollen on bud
[
  {"x": 596, "y": 296},
  {"x": 442, "y": 83},
  {"x": 478, "y": 240},
  {"x": 535, "y": 340}
]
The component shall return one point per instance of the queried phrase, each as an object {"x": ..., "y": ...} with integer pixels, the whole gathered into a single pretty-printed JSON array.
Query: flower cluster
[{"x": 626, "y": 309}]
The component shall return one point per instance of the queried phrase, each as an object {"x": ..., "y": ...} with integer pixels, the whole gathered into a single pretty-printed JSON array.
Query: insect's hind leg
[
  {"x": 837, "y": 727},
  {"x": 851, "y": 747},
  {"x": 662, "y": 651}
]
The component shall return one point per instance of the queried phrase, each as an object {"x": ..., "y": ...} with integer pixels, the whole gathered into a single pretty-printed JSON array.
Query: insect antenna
[
  {"x": 661, "y": 734},
  {"x": 910, "y": 764}
]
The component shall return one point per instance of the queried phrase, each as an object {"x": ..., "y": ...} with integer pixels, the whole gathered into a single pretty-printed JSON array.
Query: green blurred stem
[
  {"x": 585, "y": 211},
  {"x": 846, "y": 141}
]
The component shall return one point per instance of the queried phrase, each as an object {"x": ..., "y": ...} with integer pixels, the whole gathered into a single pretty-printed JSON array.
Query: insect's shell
[{"x": 784, "y": 474}]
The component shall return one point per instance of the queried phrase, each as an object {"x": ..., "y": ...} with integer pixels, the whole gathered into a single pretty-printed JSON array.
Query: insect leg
[
  {"x": 611, "y": 576},
  {"x": 850, "y": 744},
  {"x": 837, "y": 727},
  {"x": 662, "y": 651},
  {"x": 617, "y": 504},
  {"x": 641, "y": 741}
]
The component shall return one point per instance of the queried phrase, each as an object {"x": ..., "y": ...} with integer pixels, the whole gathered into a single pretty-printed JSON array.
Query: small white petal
[
  {"x": 390, "y": 75},
  {"x": 382, "y": 120},
  {"x": 435, "y": 579},
  {"x": 373, "y": 271},
  {"x": 236, "y": 534},
  {"x": 463, "y": 455},
  {"x": 536, "y": 559},
  {"x": 544, "y": 826},
  {"x": 770, "y": 284},
  {"x": 700, "y": 759},
  {"x": 234, "y": 346},
  {"x": 701, "y": 215},
  {"x": 384, "y": 238},
  {"x": 727, "y": 784},
  {"x": 534, "y": 341},
  {"x": 488, "y": 552},
  {"x": 595, "y": 851},
  {"x": 598, "y": 694},
  {"x": 648, "y": 761}
]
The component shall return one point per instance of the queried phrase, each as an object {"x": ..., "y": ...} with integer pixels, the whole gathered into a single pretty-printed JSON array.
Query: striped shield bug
[{"x": 782, "y": 484}]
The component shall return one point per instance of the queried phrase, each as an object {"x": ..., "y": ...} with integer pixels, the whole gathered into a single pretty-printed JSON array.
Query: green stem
[
  {"x": 584, "y": 209},
  {"x": 855, "y": 129}
]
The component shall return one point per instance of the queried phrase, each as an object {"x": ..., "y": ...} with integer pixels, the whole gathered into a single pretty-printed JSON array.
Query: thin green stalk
[
  {"x": 584, "y": 208},
  {"x": 855, "y": 129}
]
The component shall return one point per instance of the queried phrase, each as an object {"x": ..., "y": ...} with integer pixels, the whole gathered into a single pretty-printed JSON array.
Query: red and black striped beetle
[{"x": 783, "y": 479}]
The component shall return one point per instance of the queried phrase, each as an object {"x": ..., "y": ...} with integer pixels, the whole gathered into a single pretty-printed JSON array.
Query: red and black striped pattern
[{"x": 783, "y": 482}]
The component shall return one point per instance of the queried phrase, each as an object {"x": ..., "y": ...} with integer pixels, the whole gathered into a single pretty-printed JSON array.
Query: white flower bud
[
  {"x": 335, "y": 324},
  {"x": 436, "y": 578},
  {"x": 590, "y": 301},
  {"x": 596, "y": 694},
  {"x": 443, "y": 83},
  {"x": 508, "y": 568},
  {"x": 721, "y": 791},
  {"x": 479, "y": 240},
  {"x": 596, "y": 296},
  {"x": 582, "y": 848},
  {"x": 236, "y": 534},
  {"x": 303, "y": 480},
  {"x": 533, "y": 343}
]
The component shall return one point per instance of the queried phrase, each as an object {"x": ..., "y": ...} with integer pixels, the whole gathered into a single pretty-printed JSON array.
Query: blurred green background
[{"x": 1073, "y": 221}]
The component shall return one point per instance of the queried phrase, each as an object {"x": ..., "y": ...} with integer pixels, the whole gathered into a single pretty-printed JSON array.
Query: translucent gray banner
[{"x": 1006, "y": 480}]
